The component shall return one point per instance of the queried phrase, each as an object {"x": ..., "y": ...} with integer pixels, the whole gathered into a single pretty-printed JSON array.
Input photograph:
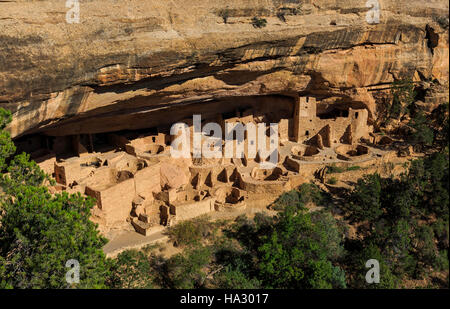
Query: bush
[
  {"x": 225, "y": 14},
  {"x": 441, "y": 118},
  {"x": 354, "y": 168},
  {"x": 388, "y": 280},
  {"x": 331, "y": 169},
  {"x": 187, "y": 270},
  {"x": 306, "y": 193},
  {"x": 192, "y": 231},
  {"x": 423, "y": 135},
  {"x": 132, "y": 270},
  {"x": 403, "y": 94},
  {"x": 231, "y": 278},
  {"x": 299, "y": 251},
  {"x": 7, "y": 147},
  {"x": 286, "y": 199},
  {"x": 365, "y": 200},
  {"x": 442, "y": 20},
  {"x": 259, "y": 22},
  {"x": 281, "y": 15},
  {"x": 332, "y": 181},
  {"x": 310, "y": 192},
  {"x": 298, "y": 10}
]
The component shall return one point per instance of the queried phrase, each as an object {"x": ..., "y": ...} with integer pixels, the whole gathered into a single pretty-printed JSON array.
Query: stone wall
[
  {"x": 191, "y": 210},
  {"x": 115, "y": 201}
]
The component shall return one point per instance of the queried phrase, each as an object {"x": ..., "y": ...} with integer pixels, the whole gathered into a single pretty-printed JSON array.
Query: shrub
[
  {"x": 259, "y": 22},
  {"x": 192, "y": 231},
  {"x": 288, "y": 198},
  {"x": 403, "y": 94},
  {"x": 225, "y": 14},
  {"x": 298, "y": 10},
  {"x": 331, "y": 169},
  {"x": 187, "y": 270},
  {"x": 423, "y": 135},
  {"x": 281, "y": 15},
  {"x": 441, "y": 118},
  {"x": 388, "y": 280},
  {"x": 306, "y": 193},
  {"x": 230, "y": 278},
  {"x": 354, "y": 168},
  {"x": 332, "y": 181},
  {"x": 365, "y": 200},
  {"x": 299, "y": 251},
  {"x": 310, "y": 192},
  {"x": 7, "y": 147},
  {"x": 442, "y": 20},
  {"x": 132, "y": 270}
]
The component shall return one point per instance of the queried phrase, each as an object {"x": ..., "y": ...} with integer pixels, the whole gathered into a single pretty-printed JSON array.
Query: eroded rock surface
[{"x": 134, "y": 64}]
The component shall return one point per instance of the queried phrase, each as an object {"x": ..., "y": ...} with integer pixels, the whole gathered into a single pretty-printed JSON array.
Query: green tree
[
  {"x": 187, "y": 270},
  {"x": 423, "y": 134},
  {"x": 371, "y": 251},
  {"x": 430, "y": 180},
  {"x": 403, "y": 95},
  {"x": 7, "y": 147},
  {"x": 364, "y": 202},
  {"x": 40, "y": 232},
  {"x": 299, "y": 252},
  {"x": 407, "y": 246},
  {"x": 231, "y": 278},
  {"x": 441, "y": 116},
  {"x": 426, "y": 250},
  {"x": 225, "y": 14},
  {"x": 133, "y": 269}
]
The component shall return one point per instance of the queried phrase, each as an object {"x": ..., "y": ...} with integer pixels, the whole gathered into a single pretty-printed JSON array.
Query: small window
[
  {"x": 356, "y": 115},
  {"x": 307, "y": 133},
  {"x": 154, "y": 139}
]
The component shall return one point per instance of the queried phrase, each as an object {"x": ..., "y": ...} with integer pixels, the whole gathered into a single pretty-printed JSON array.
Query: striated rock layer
[{"x": 144, "y": 63}]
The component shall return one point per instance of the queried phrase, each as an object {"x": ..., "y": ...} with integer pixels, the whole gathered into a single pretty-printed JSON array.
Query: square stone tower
[{"x": 304, "y": 118}]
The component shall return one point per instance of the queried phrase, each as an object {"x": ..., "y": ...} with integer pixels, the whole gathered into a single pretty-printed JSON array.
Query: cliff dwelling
[{"x": 138, "y": 185}]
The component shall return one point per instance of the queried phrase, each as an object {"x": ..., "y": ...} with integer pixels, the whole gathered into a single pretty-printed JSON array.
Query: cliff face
[{"x": 132, "y": 64}]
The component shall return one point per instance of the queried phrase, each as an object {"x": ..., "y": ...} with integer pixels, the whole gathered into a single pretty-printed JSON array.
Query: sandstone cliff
[{"x": 127, "y": 63}]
